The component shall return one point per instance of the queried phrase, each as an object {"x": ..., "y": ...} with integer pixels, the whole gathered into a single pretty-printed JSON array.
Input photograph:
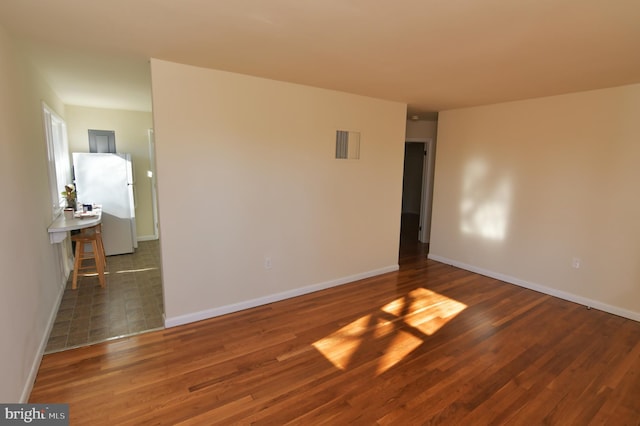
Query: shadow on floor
[{"x": 130, "y": 303}]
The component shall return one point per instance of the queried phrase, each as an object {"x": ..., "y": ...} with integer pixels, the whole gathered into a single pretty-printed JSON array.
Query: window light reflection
[
  {"x": 133, "y": 271},
  {"x": 396, "y": 330},
  {"x": 485, "y": 202}
]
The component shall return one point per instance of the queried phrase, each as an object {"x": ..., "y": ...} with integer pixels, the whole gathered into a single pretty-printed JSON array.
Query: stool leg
[
  {"x": 99, "y": 259},
  {"x": 101, "y": 245},
  {"x": 77, "y": 263}
]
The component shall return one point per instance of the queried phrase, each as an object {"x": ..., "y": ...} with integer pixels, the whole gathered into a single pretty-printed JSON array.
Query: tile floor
[{"x": 130, "y": 303}]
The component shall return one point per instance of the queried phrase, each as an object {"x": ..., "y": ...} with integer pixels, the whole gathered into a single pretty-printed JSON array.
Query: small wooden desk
[{"x": 61, "y": 226}]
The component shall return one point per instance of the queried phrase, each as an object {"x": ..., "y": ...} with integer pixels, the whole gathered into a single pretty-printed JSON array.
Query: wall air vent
[{"x": 347, "y": 145}]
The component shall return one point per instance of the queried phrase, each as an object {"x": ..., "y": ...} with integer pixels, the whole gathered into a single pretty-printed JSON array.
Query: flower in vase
[{"x": 69, "y": 194}]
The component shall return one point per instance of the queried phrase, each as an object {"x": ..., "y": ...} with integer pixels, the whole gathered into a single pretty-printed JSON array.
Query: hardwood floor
[{"x": 430, "y": 344}]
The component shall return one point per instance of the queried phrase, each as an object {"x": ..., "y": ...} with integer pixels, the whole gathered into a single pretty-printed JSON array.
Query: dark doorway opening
[{"x": 412, "y": 200}]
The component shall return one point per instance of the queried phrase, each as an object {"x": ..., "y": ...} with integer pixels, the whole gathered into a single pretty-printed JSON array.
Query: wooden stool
[{"x": 93, "y": 236}]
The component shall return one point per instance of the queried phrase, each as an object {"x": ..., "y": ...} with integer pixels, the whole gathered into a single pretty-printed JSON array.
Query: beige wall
[
  {"x": 246, "y": 170},
  {"x": 131, "y": 137},
  {"x": 422, "y": 129},
  {"x": 31, "y": 282},
  {"x": 522, "y": 188}
]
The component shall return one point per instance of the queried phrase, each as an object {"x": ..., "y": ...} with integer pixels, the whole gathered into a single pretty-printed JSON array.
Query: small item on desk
[
  {"x": 87, "y": 215},
  {"x": 87, "y": 207},
  {"x": 68, "y": 213}
]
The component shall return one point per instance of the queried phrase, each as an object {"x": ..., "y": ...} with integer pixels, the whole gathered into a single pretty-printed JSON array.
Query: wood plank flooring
[{"x": 430, "y": 344}]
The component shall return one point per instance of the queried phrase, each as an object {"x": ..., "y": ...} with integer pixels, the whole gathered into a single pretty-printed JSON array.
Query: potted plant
[{"x": 69, "y": 194}]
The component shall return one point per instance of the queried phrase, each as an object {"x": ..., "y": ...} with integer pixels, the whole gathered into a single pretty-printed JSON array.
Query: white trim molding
[
  {"x": 247, "y": 304},
  {"x": 35, "y": 365},
  {"x": 590, "y": 303}
]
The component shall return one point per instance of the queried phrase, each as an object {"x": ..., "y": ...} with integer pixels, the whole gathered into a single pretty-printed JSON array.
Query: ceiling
[{"x": 433, "y": 55}]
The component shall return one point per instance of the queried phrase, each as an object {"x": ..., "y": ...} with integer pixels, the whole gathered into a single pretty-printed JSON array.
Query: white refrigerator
[{"x": 107, "y": 180}]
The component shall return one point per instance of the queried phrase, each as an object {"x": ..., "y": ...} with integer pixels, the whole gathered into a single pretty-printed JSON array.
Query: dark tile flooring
[{"x": 130, "y": 303}]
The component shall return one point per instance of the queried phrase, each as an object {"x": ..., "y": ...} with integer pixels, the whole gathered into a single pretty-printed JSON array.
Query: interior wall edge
[{"x": 256, "y": 159}]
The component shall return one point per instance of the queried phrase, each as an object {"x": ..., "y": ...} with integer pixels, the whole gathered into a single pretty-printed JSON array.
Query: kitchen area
[
  {"x": 130, "y": 303},
  {"x": 114, "y": 183}
]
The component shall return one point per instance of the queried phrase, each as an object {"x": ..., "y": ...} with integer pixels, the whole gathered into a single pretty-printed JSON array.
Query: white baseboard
[
  {"x": 35, "y": 365},
  {"x": 147, "y": 237},
  {"x": 222, "y": 310},
  {"x": 615, "y": 310}
]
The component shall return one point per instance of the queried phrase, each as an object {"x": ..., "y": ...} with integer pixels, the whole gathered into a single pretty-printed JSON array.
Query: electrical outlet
[
  {"x": 575, "y": 263},
  {"x": 267, "y": 262}
]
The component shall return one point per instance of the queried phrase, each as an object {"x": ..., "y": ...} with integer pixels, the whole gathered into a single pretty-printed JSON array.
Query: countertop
[{"x": 59, "y": 228}]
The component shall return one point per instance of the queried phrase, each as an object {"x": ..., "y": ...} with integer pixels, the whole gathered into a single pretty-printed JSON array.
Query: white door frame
[
  {"x": 427, "y": 188},
  {"x": 154, "y": 194}
]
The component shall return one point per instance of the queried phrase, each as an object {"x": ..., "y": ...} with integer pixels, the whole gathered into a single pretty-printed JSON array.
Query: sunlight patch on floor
[
  {"x": 133, "y": 271},
  {"x": 403, "y": 344},
  {"x": 428, "y": 310},
  {"x": 340, "y": 346},
  {"x": 123, "y": 271},
  {"x": 396, "y": 330}
]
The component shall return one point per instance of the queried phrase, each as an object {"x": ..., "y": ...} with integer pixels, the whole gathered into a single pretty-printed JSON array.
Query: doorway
[
  {"x": 412, "y": 177},
  {"x": 132, "y": 301},
  {"x": 416, "y": 191}
]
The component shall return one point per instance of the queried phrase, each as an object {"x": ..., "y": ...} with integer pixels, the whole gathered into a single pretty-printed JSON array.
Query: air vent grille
[{"x": 347, "y": 145}]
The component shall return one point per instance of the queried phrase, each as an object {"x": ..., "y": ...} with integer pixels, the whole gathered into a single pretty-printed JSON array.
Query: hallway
[{"x": 131, "y": 303}]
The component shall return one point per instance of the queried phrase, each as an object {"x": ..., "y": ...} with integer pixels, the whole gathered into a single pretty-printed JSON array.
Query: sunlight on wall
[
  {"x": 396, "y": 330},
  {"x": 485, "y": 202}
]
